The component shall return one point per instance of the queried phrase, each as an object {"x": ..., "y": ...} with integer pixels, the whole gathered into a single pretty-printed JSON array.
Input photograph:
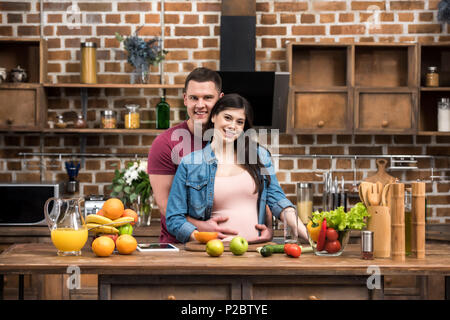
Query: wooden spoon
[
  {"x": 374, "y": 193},
  {"x": 363, "y": 192}
]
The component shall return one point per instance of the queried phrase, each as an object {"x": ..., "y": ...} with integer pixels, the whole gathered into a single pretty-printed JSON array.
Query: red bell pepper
[{"x": 322, "y": 236}]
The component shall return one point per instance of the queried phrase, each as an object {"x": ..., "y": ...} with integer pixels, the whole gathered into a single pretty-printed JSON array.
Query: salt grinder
[{"x": 367, "y": 245}]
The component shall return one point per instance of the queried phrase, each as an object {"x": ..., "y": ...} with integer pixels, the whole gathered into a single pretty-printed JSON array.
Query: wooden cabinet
[
  {"x": 23, "y": 105},
  {"x": 353, "y": 88},
  {"x": 320, "y": 95},
  {"x": 437, "y": 55},
  {"x": 381, "y": 111}
]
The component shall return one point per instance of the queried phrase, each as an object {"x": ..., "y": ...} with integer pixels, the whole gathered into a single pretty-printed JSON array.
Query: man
[{"x": 202, "y": 89}]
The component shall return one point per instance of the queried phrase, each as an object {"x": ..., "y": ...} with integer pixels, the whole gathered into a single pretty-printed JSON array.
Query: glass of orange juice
[{"x": 69, "y": 241}]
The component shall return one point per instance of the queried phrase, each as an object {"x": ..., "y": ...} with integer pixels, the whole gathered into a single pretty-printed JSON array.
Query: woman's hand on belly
[
  {"x": 213, "y": 225},
  {"x": 266, "y": 234}
]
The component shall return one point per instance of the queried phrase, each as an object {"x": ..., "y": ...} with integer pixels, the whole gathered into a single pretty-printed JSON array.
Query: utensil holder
[
  {"x": 418, "y": 220},
  {"x": 380, "y": 224}
]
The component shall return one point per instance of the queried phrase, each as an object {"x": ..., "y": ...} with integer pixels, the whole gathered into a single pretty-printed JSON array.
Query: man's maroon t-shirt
[{"x": 164, "y": 156}]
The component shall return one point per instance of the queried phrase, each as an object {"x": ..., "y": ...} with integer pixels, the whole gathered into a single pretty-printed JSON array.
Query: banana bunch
[{"x": 101, "y": 224}]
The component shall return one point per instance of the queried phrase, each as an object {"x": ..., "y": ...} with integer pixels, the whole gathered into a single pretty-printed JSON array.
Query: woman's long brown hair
[{"x": 235, "y": 101}]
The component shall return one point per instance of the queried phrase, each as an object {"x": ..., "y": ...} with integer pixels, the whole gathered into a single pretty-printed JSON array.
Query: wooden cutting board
[
  {"x": 197, "y": 246},
  {"x": 381, "y": 175}
]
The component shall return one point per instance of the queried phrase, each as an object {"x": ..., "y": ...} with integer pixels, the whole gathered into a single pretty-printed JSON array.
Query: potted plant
[
  {"x": 132, "y": 186},
  {"x": 141, "y": 53}
]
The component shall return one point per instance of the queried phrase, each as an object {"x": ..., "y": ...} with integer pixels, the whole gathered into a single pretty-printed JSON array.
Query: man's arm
[{"x": 161, "y": 188}]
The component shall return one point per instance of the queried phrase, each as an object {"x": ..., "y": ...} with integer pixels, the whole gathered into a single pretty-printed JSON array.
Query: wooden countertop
[{"x": 41, "y": 258}]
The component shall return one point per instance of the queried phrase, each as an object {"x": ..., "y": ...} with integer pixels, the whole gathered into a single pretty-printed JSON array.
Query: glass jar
[
  {"x": 80, "y": 123},
  {"x": 108, "y": 119},
  {"x": 162, "y": 114},
  {"x": 444, "y": 115},
  {"x": 304, "y": 201},
  {"x": 60, "y": 124},
  {"x": 132, "y": 118},
  {"x": 88, "y": 63},
  {"x": 432, "y": 77}
]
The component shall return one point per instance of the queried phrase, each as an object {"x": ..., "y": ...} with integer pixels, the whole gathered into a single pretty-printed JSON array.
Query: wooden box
[
  {"x": 22, "y": 107},
  {"x": 29, "y": 54},
  {"x": 381, "y": 111},
  {"x": 438, "y": 55}
]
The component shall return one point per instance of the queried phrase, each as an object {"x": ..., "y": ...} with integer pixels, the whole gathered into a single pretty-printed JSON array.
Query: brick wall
[{"x": 192, "y": 31}]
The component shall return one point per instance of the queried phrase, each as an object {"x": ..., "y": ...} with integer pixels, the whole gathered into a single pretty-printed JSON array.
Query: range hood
[
  {"x": 267, "y": 91},
  {"x": 238, "y": 35}
]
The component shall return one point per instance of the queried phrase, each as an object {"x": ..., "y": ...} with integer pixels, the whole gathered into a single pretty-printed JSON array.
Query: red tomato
[
  {"x": 332, "y": 235},
  {"x": 292, "y": 250},
  {"x": 333, "y": 246}
]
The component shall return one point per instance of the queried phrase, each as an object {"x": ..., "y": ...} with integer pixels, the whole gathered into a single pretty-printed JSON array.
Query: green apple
[
  {"x": 214, "y": 247},
  {"x": 238, "y": 245}
]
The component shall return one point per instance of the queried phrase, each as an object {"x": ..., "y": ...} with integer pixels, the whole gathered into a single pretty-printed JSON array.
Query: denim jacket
[{"x": 192, "y": 192}]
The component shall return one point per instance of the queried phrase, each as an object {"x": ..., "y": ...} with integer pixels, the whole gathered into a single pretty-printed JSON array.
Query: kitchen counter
[{"x": 155, "y": 275}]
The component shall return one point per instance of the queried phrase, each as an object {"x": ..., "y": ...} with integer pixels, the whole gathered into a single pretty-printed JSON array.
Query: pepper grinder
[{"x": 72, "y": 172}]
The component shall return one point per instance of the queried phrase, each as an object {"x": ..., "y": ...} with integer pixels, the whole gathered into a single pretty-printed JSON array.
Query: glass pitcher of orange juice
[{"x": 67, "y": 225}]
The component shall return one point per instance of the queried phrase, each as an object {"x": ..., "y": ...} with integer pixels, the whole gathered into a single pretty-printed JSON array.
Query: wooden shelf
[
  {"x": 107, "y": 131},
  {"x": 114, "y": 85},
  {"x": 319, "y": 89},
  {"x": 434, "y": 88},
  {"x": 19, "y": 85},
  {"x": 432, "y": 133}
]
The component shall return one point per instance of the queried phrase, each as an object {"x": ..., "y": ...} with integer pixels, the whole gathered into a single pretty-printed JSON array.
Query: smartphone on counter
[{"x": 156, "y": 247}]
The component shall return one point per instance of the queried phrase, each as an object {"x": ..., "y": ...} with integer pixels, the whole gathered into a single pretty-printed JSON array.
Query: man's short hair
[{"x": 203, "y": 75}]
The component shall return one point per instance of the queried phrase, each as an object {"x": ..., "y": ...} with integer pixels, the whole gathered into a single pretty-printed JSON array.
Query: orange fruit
[
  {"x": 101, "y": 212},
  {"x": 126, "y": 244},
  {"x": 113, "y": 208},
  {"x": 204, "y": 237},
  {"x": 103, "y": 246},
  {"x": 132, "y": 214}
]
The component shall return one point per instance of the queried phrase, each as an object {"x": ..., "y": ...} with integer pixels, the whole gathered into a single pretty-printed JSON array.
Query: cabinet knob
[
  {"x": 320, "y": 124},
  {"x": 171, "y": 297},
  {"x": 9, "y": 121},
  {"x": 313, "y": 298},
  {"x": 385, "y": 123},
  {"x": 387, "y": 280}
]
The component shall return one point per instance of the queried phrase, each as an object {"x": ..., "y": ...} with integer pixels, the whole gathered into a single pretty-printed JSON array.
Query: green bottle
[{"x": 162, "y": 114}]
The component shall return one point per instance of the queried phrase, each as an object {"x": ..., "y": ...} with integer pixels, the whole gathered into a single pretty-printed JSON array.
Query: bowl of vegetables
[{"x": 329, "y": 231}]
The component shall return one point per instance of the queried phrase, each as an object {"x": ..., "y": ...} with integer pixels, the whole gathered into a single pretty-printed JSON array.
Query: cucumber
[
  {"x": 276, "y": 248},
  {"x": 267, "y": 250}
]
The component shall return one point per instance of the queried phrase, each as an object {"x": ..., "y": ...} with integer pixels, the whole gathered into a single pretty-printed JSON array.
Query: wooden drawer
[
  {"x": 169, "y": 287},
  {"x": 385, "y": 112},
  {"x": 21, "y": 107},
  {"x": 319, "y": 112},
  {"x": 307, "y": 288}
]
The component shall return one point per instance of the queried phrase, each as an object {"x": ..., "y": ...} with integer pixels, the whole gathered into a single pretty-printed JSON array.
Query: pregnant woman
[{"x": 232, "y": 176}]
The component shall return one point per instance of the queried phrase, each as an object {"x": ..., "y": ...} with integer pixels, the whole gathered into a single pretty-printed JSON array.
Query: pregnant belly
[{"x": 242, "y": 222}]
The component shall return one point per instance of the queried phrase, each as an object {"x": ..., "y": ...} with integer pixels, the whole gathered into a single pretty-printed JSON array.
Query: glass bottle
[
  {"x": 88, "y": 63},
  {"x": 444, "y": 115},
  {"x": 304, "y": 201},
  {"x": 132, "y": 118},
  {"x": 432, "y": 77},
  {"x": 162, "y": 114}
]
